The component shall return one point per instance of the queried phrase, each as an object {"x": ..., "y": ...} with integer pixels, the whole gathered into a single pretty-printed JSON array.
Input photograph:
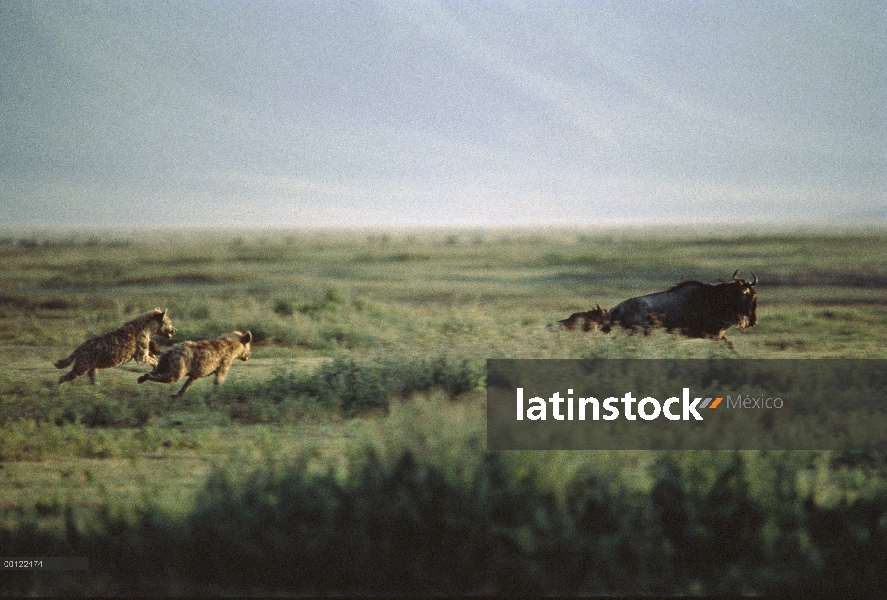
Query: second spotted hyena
[
  {"x": 199, "y": 359},
  {"x": 132, "y": 340}
]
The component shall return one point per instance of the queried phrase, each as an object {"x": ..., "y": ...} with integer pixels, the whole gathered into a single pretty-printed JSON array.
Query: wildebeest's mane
[
  {"x": 684, "y": 284},
  {"x": 695, "y": 283}
]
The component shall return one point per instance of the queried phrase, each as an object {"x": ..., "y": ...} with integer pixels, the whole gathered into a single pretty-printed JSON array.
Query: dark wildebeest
[
  {"x": 692, "y": 308},
  {"x": 589, "y": 320}
]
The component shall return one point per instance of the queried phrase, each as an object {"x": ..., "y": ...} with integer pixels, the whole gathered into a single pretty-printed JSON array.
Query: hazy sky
[{"x": 454, "y": 113}]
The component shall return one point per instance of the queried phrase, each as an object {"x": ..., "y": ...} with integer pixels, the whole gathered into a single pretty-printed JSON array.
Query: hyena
[
  {"x": 131, "y": 341},
  {"x": 199, "y": 359}
]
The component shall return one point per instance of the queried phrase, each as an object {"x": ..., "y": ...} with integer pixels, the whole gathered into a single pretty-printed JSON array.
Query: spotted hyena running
[
  {"x": 199, "y": 359},
  {"x": 131, "y": 341}
]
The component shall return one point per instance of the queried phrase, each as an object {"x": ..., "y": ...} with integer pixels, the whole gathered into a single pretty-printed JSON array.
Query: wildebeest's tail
[
  {"x": 612, "y": 318},
  {"x": 64, "y": 362}
]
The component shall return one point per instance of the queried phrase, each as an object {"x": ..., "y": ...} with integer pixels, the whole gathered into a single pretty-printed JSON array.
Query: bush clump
[
  {"x": 354, "y": 387},
  {"x": 404, "y": 526}
]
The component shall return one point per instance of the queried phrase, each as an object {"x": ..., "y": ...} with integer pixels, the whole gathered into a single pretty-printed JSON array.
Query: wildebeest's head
[
  {"x": 746, "y": 298},
  {"x": 164, "y": 324}
]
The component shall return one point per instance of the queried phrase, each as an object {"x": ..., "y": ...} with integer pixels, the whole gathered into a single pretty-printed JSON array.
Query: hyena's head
[
  {"x": 163, "y": 324},
  {"x": 244, "y": 339}
]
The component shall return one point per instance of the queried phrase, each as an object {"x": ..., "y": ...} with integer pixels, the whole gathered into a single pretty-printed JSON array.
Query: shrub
[
  {"x": 284, "y": 308},
  {"x": 455, "y": 376},
  {"x": 354, "y": 387},
  {"x": 404, "y": 526}
]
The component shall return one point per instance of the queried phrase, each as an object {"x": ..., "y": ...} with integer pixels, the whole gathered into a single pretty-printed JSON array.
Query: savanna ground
[{"x": 348, "y": 455}]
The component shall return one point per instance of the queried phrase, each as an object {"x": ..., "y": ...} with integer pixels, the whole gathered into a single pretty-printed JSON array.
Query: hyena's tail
[{"x": 65, "y": 362}]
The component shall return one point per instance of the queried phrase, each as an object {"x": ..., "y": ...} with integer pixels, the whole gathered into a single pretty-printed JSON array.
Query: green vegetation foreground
[{"x": 348, "y": 455}]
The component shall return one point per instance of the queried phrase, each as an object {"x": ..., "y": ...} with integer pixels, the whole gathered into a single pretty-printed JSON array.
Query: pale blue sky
[{"x": 450, "y": 113}]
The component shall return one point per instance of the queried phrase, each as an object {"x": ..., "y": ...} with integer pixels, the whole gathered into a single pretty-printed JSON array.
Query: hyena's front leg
[
  {"x": 144, "y": 354},
  {"x": 92, "y": 376},
  {"x": 222, "y": 372}
]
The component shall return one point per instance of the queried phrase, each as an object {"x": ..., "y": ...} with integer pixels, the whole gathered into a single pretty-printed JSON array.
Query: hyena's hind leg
[
  {"x": 188, "y": 383},
  {"x": 162, "y": 373},
  {"x": 166, "y": 377},
  {"x": 76, "y": 371},
  {"x": 167, "y": 371}
]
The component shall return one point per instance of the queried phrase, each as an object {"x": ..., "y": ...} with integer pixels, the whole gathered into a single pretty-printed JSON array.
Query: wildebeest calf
[
  {"x": 131, "y": 341},
  {"x": 589, "y": 320},
  {"x": 199, "y": 359}
]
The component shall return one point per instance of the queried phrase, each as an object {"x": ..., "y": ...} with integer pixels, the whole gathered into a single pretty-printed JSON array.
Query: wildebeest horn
[
  {"x": 735, "y": 273},
  {"x": 754, "y": 279}
]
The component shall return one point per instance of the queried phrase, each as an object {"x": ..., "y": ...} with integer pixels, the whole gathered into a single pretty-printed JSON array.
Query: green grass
[{"x": 363, "y": 409}]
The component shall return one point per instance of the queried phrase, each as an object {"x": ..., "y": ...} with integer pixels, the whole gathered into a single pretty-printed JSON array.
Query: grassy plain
[{"x": 369, "y": 351}]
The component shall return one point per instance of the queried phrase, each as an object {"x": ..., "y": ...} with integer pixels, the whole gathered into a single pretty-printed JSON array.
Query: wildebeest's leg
[
  {"x": 188, "y": 383},
  {"x": 69, "y": 376},
  {"x": 721, "y": 338},
  {"x": 92, "y": 376}
]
